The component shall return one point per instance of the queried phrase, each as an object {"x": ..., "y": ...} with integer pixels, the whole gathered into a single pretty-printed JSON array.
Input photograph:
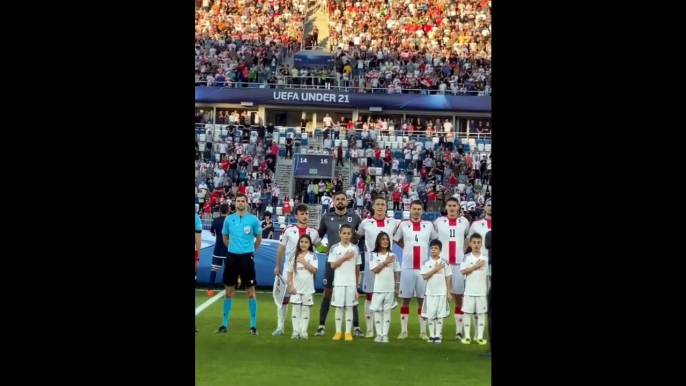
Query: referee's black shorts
[{"x": 242, "y": 265}]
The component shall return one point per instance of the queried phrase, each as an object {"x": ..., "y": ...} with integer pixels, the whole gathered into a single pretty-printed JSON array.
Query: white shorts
[
  {"x": 457, "y": 280},
  {"x": 435, "y": 307},
  {"x": 474, "y": 304},
  {"x": 344, "y": 296},
  {"x": 412, "y": 284},
  {"x": 304, "y": 299},
  {"x": 368, "y": 281},
  {"x": 382, "y": 301}
]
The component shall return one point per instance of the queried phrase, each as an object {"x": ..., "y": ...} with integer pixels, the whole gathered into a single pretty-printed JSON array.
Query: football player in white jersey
[
  {"x": 301, "y": 268},
  {"x": 413, "y": 236},
  {"x": 475, "y": 266},
  {"x": 370, "y": 228},
  {"x": 385, "y": 266},
  {"x": 452, "y": 230},
  {"x": 287, "y": 246},
  {"x": 482, "y": 226},
  {"x": 346, "y": 280}
]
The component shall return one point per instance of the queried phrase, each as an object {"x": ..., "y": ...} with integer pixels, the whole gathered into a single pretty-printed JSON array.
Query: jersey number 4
[{"x": 416, "y": 238}]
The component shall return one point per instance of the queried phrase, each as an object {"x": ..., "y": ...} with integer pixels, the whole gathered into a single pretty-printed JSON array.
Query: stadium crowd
[
  {"x": 430, "y": 45},
  {"x": 242, "y": 41}
]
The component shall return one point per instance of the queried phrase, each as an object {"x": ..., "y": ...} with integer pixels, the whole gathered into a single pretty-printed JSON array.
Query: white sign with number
[{"x": 279, "y": 292}]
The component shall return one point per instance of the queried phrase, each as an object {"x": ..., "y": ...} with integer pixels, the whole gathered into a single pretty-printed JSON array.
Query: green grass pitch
[{"x": 238, "y": 358}]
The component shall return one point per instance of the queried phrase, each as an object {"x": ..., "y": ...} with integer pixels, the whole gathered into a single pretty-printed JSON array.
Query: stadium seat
[
  {"x": 344, "y": 142},
  {"x": 201, "y": 137},
  {"x": 472, "y": 143},
  {"x": 406, "y": 215},
  {"x": 390, "y": 213},
  {"x": 279, "y": 212},
  {"x": 318, "y": 132},
  {"x": 201, "y": 146},
  {"x": 398, "y": 215},
  {"x": 431, "y": 216},
  {"x": 480, "y": 146},
  {"x": 282, "y": 219},
  {"x": 401, "y": 164},
  {"x": 487, "y": 147},
  {"x": 425, "y": 216},
  {"x": 291, "y": 220},
  {"x": 282, "y": 152}
]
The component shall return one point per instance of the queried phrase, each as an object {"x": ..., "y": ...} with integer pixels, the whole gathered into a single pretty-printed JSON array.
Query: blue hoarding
[
  {"x": 316, "y": 59},
  {"x": 335, "y": 99},
  {"x": 313, "y": 166}
]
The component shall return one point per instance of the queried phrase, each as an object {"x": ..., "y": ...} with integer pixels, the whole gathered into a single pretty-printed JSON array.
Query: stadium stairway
[
  {"x": 314, "y": 213},
  {"x": 345, "y": 171},
  {"x": 320, "y": 18},
  {"x": 283, "y": 176}
]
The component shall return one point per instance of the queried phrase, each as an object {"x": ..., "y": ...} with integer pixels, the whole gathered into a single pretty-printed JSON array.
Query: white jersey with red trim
[
  {"x": 481, "y": 227},
  {"x": 290, "y": 236},
  {"x": 416, "y": 237},
  {"x": 371, "y": 227},
  {"x": 451, "y": 233}
]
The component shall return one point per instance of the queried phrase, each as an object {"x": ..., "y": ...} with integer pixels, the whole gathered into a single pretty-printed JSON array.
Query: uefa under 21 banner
[{"x": 329, "y": 98}]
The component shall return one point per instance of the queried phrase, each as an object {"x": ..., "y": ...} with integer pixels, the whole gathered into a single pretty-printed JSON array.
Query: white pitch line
[{"x": 209, "y": 302}]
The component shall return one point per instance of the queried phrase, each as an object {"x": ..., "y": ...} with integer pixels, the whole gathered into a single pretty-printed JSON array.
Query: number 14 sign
[{"x": 311, "y": 165}]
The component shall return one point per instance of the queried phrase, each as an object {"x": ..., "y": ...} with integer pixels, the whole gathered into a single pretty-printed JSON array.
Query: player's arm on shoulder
[
  {"x": 398, "y": 235},
  {"x": 360, "y": 229},
  {"x": 434, "y": 233},
  {"x": 322, "y": 227}
]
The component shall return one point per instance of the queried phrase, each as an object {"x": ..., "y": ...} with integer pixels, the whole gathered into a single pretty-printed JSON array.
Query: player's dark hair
[
  {"x": 224, "y": 208},
  {"x": 377, "y": 243},
  {"x": 475, "y": 236},
  {"x": 453, "y": 199},
  {"x": 340, "y": 192},
  {"x": 345, "y": 226},
  {"x": 241, "y": 195},
  {"x": 437, "y": 243},
  {"x": 380, "y": 198},
  {"x": 417, "y": 202},
  {"x": 298, "y": 250},
  {"x": 301, "y": 208}
]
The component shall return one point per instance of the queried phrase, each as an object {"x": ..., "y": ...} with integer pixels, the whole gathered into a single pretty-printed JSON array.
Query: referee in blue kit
[{"x": 242, "y": 235}]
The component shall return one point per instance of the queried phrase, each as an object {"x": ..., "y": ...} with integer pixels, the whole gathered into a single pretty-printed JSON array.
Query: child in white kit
[
  {"x": 438, "y": 275},
  {"x": 475, "y": 267},
  {"x": 301, "y": 269},
  {"x": 384, "y": 265},
  {"x": 345, "y": 260}
]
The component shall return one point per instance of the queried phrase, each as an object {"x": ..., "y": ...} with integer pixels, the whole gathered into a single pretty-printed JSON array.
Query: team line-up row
[{"x": 447, "y": 274}]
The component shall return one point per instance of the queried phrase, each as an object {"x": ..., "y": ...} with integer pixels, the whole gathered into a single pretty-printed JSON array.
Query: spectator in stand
[
  {"x": 239, "y": 41},
  {"x": 436, "y": 46}
]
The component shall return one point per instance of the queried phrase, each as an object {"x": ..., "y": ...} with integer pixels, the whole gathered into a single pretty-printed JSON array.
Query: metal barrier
[{"x": 335, "y": 84}]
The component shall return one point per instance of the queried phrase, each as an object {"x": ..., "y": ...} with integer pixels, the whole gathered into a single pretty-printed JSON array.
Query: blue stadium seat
[
  {"x": 425, "y": 216},
  {"x": 290, "y": 130},
  {"x": 290, "y": 220},
  {"x": 398, "y": 154},
  {"x": 303, "y": 142},
  {"x": 487, "y": 141},
  {"x": 431, "y": 216},
  {"x": 398, "y": 215},
  {"x": 466, "y": 147},
  {"x": 401, "y": 165},
  {"x": 358, "y": 137},
  {"x": 318, "y": 132},
  {"x": 282, "y": 152}
]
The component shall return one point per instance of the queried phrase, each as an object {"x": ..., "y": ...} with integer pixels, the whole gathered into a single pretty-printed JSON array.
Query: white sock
[
  {"x": 296, "y": 309},
  {"x": 422, "y": 325},
  {"x": 348, "y": 320},
  {"x": 480, "y": 325},
  {"x": 439, "y": 328},
  {"x": 339, "y": 319},
  {"x": 304, "y": 319},
  {"x": 431, "y": 328},
  {"x": 459, "y": 323},
  {"x": 281, "y": 316},
  {"x": 403, "y": 322},
  {"x": 378, "y": 322},
  {"x": 387, "y": 322},
  {"x": 368, "y": 314},
  {"x": 467, "y": 325}
]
